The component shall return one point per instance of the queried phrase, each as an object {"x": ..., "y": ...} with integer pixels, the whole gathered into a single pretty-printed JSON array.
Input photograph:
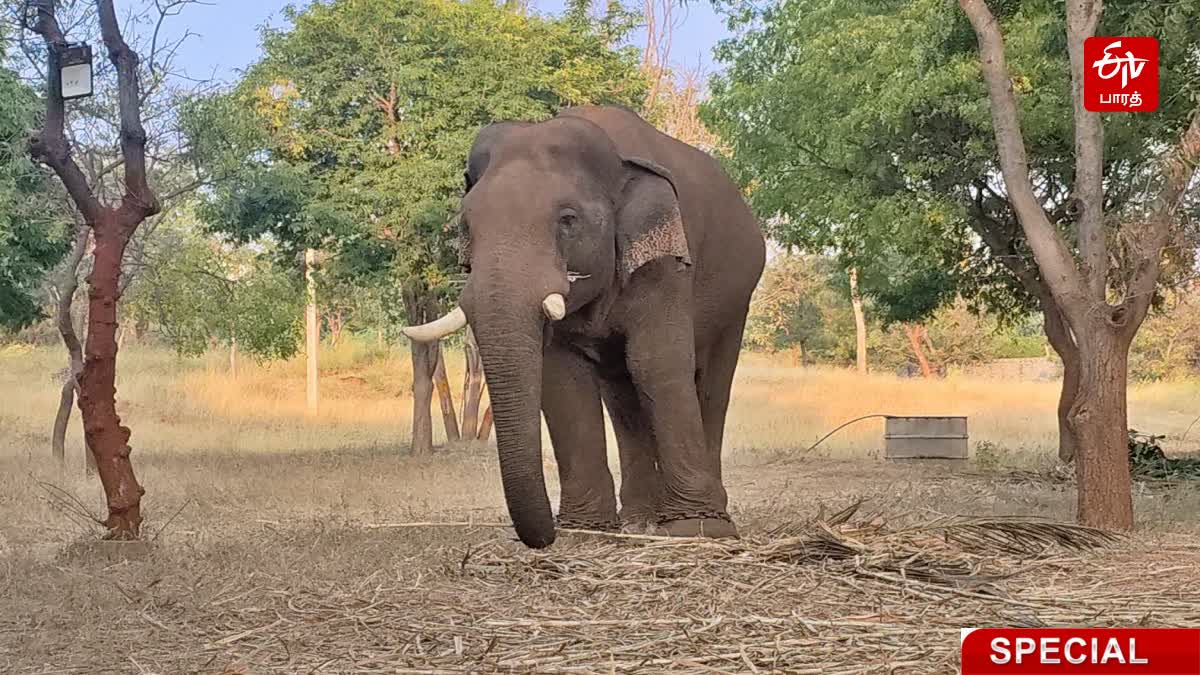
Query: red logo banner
[
  {"x": 1120, "y": 74},
  {"x": 1081, "y": 651}
]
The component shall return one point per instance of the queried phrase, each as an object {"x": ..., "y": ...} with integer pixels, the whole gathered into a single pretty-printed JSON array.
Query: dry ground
[{"x": 281, "y": 543}]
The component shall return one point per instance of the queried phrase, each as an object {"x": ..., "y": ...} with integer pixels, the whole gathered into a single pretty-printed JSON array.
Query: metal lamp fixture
[{"x": 75, "y": 71}]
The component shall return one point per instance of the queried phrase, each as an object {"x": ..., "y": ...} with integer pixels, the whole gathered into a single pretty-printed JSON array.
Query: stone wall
[{"x": 1038, "y": 369}]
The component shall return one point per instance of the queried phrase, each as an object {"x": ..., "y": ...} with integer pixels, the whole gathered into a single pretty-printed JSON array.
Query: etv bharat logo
[{"x": 1120, "y": 74}]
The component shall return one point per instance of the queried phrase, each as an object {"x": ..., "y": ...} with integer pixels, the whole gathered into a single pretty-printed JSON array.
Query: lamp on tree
[{"x": 75, "y": 71}]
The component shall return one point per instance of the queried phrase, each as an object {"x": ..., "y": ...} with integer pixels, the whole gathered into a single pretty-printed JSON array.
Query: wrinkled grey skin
[{"x": 668, "y": 255}]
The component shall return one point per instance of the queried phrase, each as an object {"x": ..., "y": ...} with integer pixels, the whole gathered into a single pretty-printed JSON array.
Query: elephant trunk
[{"x": 509, "y": 335}]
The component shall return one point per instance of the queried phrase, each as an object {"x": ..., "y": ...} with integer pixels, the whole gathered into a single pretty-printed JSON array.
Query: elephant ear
[{"x": 649, "y": 223}]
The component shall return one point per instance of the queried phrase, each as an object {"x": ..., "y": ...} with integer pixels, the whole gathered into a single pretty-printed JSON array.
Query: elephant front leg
[
  {"x": 693, "y": 501},
  {"x": 641, "y": 484},
  {"x": 571, "y": 403}
]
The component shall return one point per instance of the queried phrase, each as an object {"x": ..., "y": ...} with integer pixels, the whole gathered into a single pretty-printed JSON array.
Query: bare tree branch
[
  {"x": 51, "y": 146},
  {"x": 139, "y": 202},
  {"x": 1050, "y": 251},
  {"x": 1148, "y": 242},
  {"x": 1082, "y": 18}
]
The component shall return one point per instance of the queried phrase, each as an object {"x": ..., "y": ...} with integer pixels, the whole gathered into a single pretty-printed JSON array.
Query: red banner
[{"x": 1081, "y": 651}]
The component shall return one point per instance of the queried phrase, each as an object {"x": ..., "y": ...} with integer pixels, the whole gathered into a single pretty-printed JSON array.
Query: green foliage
[
  {"x": 798, "y": 308},
  {"x": 32, "y": 238},
  {"x": 200, "y": 291},
  {"x": 351, "y": 135},
  {"x": 904, "y": 292},
  {"x": 803, "y": 306},
  {"x": 864, "y": 127},
  {"x": 989, "y": 456}
]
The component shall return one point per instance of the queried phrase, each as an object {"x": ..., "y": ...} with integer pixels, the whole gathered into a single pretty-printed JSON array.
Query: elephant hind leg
[
  {"x": 571, "y": 403},
  {"x": 641, "y": 484},
  {"x": 714, "y": 382}
]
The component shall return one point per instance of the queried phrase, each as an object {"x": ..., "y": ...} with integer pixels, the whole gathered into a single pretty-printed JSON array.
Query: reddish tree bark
[
  {"x": 916, "y": 337},
  {"x": 112, "y": 228}
]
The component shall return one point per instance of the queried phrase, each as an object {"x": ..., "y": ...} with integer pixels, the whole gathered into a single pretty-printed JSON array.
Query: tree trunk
[
  {"x": 233, "y": 357},
  {"x": 1099, "y": 418},
  {"x": 1080, "y": 286},
  {"x": 420, "y": 308},
  {"x": 485, "y": 426},
  {"x": 1063, "y": 344},
  {"x": 68, "y": 284},
  {"x": 312, "y": 334},
  {"x": 336, "y": 323},
  {"x": 915, "y": 334},
  {"x": 445, "y": 397},
  {"x": 472, "y": 388},
  {"x": 860, "y": 323},
  {"x": 1068, "y": 442},
  {"x": 108, "y": 440},
  {"x": 66, "y": 399},
  {"x": 424, "y": 360}
]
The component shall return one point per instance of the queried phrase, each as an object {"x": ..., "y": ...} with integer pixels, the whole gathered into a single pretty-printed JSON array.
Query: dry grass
[
  {"x": 281, "y": 542},
  {"x": 194, "y": 406}
]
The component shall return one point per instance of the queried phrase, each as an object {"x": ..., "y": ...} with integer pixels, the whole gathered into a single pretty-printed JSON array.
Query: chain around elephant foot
[
  {"x": 708, "y": 525},
  {"x": 582, "y": 523}
]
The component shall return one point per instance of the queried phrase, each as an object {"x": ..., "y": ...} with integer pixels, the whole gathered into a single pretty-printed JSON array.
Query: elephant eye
[{"x": 567, "y": 219}]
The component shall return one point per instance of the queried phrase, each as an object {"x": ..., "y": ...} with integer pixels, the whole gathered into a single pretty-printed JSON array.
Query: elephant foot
[
  {"x": 638, "y": 522},
  {"x": 710, "y": 528},
  {"x": 641, "y": 526}
]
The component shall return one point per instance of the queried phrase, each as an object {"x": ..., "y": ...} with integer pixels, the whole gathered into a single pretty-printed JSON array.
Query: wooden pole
[
  {"x": 860, "y": 323},
  {"x": 312, "y": 334}
]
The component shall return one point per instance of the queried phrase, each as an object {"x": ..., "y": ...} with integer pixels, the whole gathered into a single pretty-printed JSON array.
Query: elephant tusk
[
  {"x": 436, "y": 330},
  {"x": 555, "y": 306}
]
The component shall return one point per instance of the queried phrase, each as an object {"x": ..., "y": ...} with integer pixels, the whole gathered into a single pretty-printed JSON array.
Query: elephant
[{"x": 608, "y": 264}]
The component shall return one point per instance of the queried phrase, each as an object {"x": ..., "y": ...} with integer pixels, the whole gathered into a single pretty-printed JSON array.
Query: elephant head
[{"x": 555, "y": 221}]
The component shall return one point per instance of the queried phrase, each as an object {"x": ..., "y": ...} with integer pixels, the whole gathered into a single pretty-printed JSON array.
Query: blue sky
[{"x": 228, "y": 33}]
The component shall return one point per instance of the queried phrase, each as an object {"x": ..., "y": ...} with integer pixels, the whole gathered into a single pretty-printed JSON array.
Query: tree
[
  {"x": 956, "y": 336},
  {"x": 353, "y": 130},
  {"x": 897, "y": 156},
  {"x": 112, "y": 225},
  {"x": 1104, "y": 306},
  {"x": 201, "y": 290},
  {"x": 908, "y": 295},
  {"x": 96, "y": 145},
  {"x": 1168, "y": 345},
  {"x": 860, "y": 322},
  {"x": 796, "y": 307},
  {"x": 32, "y": 233}
]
